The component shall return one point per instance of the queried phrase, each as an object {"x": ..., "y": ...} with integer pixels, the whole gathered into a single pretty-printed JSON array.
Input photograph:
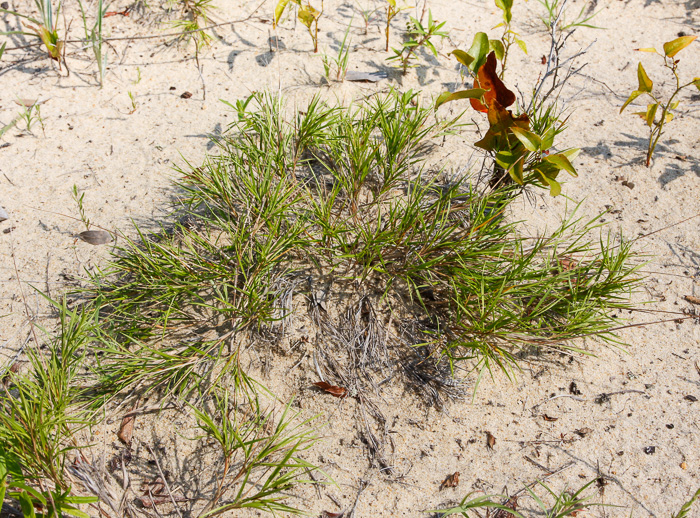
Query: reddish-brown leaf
[
  {"x": 328, "y": 514},
  {"x": 490, "y": 440},
  {"x": 450, "y": 481},
  {"x": 126, "y": 430},
  {"x": 488, "y": 79},
  {"x": 512, "y": 503},
  {"x": 548, "y": 418},
  {"x": 332, "y": 389}
]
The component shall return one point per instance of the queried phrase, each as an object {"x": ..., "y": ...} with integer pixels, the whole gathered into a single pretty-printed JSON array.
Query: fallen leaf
[
  {"x": 689, "y": 298},
  {"x": 548, "y": 418},
  {"x": 332, "y": 389},
  {"x": 95, "y": 237},
  {"x": 365, "y": 77},
  {"x": 490, "y": 440},
  {"x": 582, "y": 432},
  {"x": 148, "y": 501},
  {"x": 450, "y": 481},
  {"x": 126, "y": 430},
  {"x": 186, "y": 95}
]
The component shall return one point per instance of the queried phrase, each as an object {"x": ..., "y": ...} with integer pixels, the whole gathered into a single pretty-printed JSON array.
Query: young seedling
[
  {"x": 307, "y": 14},
  {"x": 340, "y": 63},
  {"x": 93, "y": 37},
  {"x": 45, "y": 28},
  {"x": 659, "y": 112},
  {"x": 391, "y": 12},
  {"x": 31, "y": 113},
  {"x": 197, "y": 14},
  {"x": 367, "y": 16},
  {"x": 133, "y": 102},
  {"x": 501, "y": 47},
  {"x": 78, "y": 199},
  {"x": 556, "y": 16},
  {"x": 518, "y": 149},
  {"x": 418, "y": 37}
]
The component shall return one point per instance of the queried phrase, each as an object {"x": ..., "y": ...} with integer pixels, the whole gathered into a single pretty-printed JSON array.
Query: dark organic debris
[
  {"x": 511, "y": 503},
  {"x": 95, "y": 237},
  {"x": 122, "y": 459},
  {"x": 450, "y": 481},
  {"x": 549, "y": 418},
  {"x": 490, "y": 441},
  {"x": 690, "y": 398},
  {"x": 582, "y": 432},
  {"x": 186, "y": 95},
  {"x": 689, "y": 298},
  {"x": 573, "y": 388},
  {"x": 650, "y": 450},
  {"x": 126, "y": 430}
]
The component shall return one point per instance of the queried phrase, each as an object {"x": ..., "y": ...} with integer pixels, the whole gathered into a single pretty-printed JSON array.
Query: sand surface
[{"x": 122, "y": 157}]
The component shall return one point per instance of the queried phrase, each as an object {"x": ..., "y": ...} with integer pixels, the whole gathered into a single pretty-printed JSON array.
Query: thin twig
[{"x": 165, "y": 481}]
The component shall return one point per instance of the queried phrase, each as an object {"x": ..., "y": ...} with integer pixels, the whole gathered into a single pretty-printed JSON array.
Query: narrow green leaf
[
  {"x": 279, "y": 10},
  {"x": 2, "y": 49},
  {"x": 673, "y": 47},
  {"x": 473, "y": 93},
  {"x": 497, "y": 47},
  {"x": 560, "y": 161},
  {"x": 531, "y": 141},
  {"x": 521, "y": 44},
  {"x": 631, "y": 98},
  {"x": 645, "y": 84},
  {"x": 478, "y": 51}
]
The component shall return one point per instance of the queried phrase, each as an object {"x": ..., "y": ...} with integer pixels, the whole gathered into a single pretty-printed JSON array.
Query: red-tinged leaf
[
  {"x": 464, "y": 58},
  {"x": 560, "y": 161},
  {"x": 531, "y": 141},
  {"x": 645, "y": 84},
  {"x": 332, "y": 389},
  {"x": 673, "y": 47},
  {"x": 446, "y": 97},
  {"x": 126, "y": 430},
  {"x": 450, "y": 481},
  {"x": 488, "y": 79}
]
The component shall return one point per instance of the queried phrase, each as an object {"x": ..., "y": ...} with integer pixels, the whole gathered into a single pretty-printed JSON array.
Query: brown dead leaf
[
  {"x": 582, "y": 432},
  {"x": 692, "y": 300},
  {"x": 512, "y": 503},
  {"x": 549, "y": 418},
  {"x": 126, "y": 430},
  {"x": 95, "y": 237},
  {"x": 332, "y": 389},
  {"x": 450, "y": 481},
  {"x": 328, "y": 514},
  {"x": 149, "y": 501},
  {"x": 490, "y": 441}
]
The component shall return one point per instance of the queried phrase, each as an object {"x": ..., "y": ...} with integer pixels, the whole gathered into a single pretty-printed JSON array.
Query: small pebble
[{"x": 684, "y": 465}]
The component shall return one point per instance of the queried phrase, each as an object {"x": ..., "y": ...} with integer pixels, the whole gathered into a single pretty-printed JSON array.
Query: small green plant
[
  {"x": 556, "y": 12},
  {"x": 2, "y": 49},
  {"x": 339, "y": 64},
  {"x": 502, "y": 46},
  {"x": 260, "y": 459},
  {"x": 31, "y": 113},
  {"x": 685, "y": 510},
  {"x": 565, "y": 503},
  {"x": 517, "y": 150},
  {"x": 660, "y": 112},
  {"x": 93, "y": 37},
  {"x": 45, "y": 27},
  {"x": 418, "y": 37},
  {"x": 391, "y": 12},
  {"x": 78, "y": 199},
  {"x": 134, "y": 105},
  {"x": 38, "y": 420},
  {"x": 366, "y": 16},
  {"x": 197, "y": 15},
  {"x": 307, "y": 14}
]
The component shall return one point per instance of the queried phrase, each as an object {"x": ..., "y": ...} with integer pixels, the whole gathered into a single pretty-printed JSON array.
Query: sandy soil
[{"x": 644, "y": 441}]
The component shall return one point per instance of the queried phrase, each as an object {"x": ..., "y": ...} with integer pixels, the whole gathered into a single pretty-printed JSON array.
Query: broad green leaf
[
  {"x": 464, "y": 58},
  {"x": 521, "y": 44},
  {"x": 554, "y": 186},
  {"x": 645, "y": 84},
  {"x": 560, "y": 161},
  {"x": 571, "y": 154},
  {"x": 673, "y": 47},
  {"x": 631, "y": 98},
  {"x": 392, "y": 3},
  {"x": 478, "y": 51},
  {"x": 474, "y": 93},
  {"x": 307, "y": 15},
  {"x": 507, "y": 159},
  {"x": 651, "y": 113},
  {"x": 547, "y": 139},
  {"x": 696, "y": 82},
  {"x": 25, "y": 502},
  {"x": 531, "y": 141},
  {"x": 516, "y": 172},
  {"x": 497, "y": 47},
  {"x": 279, "y": 10}
]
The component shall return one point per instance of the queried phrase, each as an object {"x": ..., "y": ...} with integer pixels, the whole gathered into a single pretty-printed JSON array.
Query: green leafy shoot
[
  {"x": 45, "y": 27},
  {"x": 418, "y": 37},
  {"x": 94, "y": 37},
  {"x": 659, "y": 112},
  {"x": 340, "y": 62}
]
